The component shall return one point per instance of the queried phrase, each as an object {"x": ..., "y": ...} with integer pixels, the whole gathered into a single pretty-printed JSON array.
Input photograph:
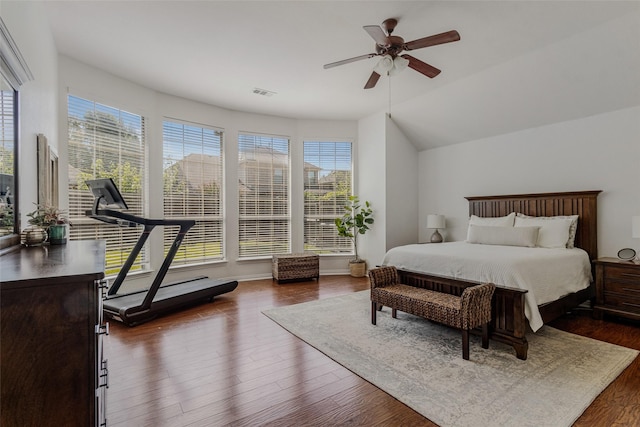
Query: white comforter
[{"x": 548, "y": 274}]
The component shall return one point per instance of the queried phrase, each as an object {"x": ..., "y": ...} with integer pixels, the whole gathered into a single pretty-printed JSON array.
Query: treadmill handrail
[
  {"x": 149, "y": 224},
  {"x": 138, "y": 220}
]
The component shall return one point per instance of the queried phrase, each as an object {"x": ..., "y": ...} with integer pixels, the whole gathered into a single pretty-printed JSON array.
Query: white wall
[
  {"x": 600, "y": 152},
  {"x": 82, "y": 80},
  {"x": 388, "y": 176},
  {"x": 401, "y": 188},
  {"x": 372, "y": 178},
  {"x": 29, "y": 28}
]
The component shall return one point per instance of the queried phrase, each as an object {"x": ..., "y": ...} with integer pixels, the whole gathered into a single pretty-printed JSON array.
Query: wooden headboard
[{"x": 581, "y": 203}]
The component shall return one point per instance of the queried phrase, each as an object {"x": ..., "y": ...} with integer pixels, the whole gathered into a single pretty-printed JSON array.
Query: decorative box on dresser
[
  {"x": 52, "y": 370},
  {"x": 617, "y": 288}
]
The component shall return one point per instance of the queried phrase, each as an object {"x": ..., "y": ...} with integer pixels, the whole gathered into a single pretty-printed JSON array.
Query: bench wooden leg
[
  {"x": 374, "y": 309},
  {"x": 394, "y": 313},
  {"x": 465, "y": 344},
  {"x": 485, "y": 335}
]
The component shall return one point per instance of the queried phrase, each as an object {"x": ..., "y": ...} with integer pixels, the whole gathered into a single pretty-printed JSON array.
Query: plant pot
[
  {"x": 357, "y": 268},
  {"x": 58, "y": 234},
  {"x": 33, "y": 236}
]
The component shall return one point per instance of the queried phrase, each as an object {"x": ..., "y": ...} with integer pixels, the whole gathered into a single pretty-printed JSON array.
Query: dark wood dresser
[
  {"x": 52, "y": 370},
  {"x": 617, "y": 288}
]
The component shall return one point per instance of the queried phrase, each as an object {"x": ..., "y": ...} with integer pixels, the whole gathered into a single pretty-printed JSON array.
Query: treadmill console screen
[{"x": 106, "y": 193}]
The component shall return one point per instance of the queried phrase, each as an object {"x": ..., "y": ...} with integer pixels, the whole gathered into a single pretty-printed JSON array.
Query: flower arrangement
[{"x": 46, "y": 215}]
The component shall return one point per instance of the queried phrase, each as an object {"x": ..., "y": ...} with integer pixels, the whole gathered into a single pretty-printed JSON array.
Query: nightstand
[{"x": 617, "y": 288}]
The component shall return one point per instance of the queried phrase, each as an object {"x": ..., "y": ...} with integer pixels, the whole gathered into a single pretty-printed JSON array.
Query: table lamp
[{"x": 435, "y": 222}]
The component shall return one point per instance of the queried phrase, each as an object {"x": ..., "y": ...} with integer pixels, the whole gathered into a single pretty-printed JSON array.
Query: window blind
[
  {"x": 6, "y": 133},
  {"x": 193, "y": 189},
  {"x": 7, "y": 158},
  {"x": 264, "y": 205},
  {"x": 106, "y": 142},
  {"x": 327, "y": 187}
]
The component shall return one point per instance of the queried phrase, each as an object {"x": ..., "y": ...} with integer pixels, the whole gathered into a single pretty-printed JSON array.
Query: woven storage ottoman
[{"x": 295, "y": 266}]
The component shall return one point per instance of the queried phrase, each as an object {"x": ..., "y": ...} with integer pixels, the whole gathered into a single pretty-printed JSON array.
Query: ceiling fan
[{"x": 390, "y": 47}]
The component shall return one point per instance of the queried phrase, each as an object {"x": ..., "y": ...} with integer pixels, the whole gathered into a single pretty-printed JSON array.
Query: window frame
[
  {"x": 275, "y": 223},
  {"x": 203, "y": 219},
  {"x": 340, "y": 245},
  {"x": 80, "y": 199}
]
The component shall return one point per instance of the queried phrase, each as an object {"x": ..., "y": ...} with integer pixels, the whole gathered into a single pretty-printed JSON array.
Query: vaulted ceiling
[{"x": 519, "y": 64}]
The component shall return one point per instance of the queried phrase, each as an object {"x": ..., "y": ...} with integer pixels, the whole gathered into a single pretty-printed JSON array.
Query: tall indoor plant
[{"x": 355, "y": 221}]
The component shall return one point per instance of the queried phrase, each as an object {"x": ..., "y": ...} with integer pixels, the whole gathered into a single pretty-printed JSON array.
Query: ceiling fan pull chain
[{"x": 389, "y": 110}]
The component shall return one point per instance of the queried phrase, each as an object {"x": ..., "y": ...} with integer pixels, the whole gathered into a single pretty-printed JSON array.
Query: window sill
[{"x": 198, "y": 265}]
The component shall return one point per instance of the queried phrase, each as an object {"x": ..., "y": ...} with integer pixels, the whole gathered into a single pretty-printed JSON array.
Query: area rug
[{"x": 420, "y": 363}]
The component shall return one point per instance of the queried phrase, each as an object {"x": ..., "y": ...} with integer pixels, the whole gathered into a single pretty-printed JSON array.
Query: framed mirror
[
  {"x": 14, "y": 72},
  {"x": 47, "y": 173},
  {"x": 9, "y": 212}
]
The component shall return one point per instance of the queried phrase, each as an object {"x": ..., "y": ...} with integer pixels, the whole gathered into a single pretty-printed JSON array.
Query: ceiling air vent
[{"x": 263, "y": 92}]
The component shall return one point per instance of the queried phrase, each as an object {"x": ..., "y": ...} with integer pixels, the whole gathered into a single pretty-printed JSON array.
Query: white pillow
[
  {"x": 507, "y": 236},
  {"x": 501, "y": 221},
  {"x": 572, "y": 229},
  {"x": 554, "y": 233}
]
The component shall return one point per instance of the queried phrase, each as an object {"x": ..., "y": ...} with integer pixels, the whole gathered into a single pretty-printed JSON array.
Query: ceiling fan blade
[
  {"x": 347, "y": 61},
  {"x": 373, "y": 79},
  {"x": 377, "y": 34},
  {"x": 448, "y": 37},
  {"x": 422, "y": 67}
]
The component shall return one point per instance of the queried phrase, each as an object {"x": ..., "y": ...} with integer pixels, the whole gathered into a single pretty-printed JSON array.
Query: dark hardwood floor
[{"x": 225, "y": 363}]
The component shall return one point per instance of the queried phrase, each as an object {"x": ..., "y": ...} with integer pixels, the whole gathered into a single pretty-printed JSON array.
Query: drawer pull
[
  {"x": 104, "y": 375},
  {"x": 631, "y": 304},
  {"x": 102, "y": 329},
  {"x": 631, "y": 290}
]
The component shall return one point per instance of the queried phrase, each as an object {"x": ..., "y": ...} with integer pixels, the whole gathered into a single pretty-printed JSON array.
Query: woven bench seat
[
  {"x": 465, "y": 312},
  {"x": 300, "y": 266}
]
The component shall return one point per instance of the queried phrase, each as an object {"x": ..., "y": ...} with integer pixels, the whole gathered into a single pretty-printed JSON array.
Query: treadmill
[{"x": 138, "y": 307}]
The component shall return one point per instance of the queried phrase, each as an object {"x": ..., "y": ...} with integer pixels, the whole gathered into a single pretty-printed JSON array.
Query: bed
[{"x": 514, "y": 309}]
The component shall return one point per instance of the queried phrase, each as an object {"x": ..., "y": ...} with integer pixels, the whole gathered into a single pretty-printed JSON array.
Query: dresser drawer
[
  {"x": 622, "y": 287},
  {"x": 615, "y": 272},
  {"x": 623, "y": 302}
]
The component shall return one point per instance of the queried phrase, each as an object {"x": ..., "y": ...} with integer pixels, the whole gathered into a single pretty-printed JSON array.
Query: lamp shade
[
  {"x": 385, "y": 64},
  {"x": 635, "y": 226},
  {"x": 435, "y": 221},
  {"x": 399, "y": 64}
]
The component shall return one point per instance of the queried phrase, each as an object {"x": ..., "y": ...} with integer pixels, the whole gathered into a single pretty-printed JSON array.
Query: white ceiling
[{"x": 518, "y": 64}]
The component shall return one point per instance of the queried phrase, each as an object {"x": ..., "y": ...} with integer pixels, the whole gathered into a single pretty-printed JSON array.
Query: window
[
  {"x": 192, "y": 175},
  {"x": 105, "y": 142},
  {"x": 263, "y": 173},
  {"x": 8, "y": 112},
  {"x": 327, "y": 187}
]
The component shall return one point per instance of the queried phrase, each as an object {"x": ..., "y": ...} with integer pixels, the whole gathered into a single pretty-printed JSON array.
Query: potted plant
[
  {"x": 52, "y": 220},
  {"x": 355, "y": 221}
]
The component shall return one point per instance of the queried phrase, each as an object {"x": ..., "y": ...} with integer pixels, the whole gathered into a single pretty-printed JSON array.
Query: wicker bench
[
  {"x": 465, "y": 312},
  {"x": 289, "y": 267}
]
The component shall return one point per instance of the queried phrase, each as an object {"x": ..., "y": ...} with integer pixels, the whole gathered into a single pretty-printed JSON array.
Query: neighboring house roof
[{"x": 199, "y": 170}]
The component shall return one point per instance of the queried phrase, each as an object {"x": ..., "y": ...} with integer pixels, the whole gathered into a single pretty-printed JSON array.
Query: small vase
[
  {"x": 33, "y": 236},
  {"x": 58, "y": 234}
]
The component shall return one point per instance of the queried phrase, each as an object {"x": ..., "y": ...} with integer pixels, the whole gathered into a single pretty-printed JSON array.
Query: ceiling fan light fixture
[
  {"x": 384, "y": 65},
  {"x": 399, "y": 65}
]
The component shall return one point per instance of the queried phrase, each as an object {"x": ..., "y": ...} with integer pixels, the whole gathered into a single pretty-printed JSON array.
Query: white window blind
[
  {"x": 264, "y": 206},
  {"x": 7, "y": 158},
  {"x": 327, "y": 187},
  {"x": 6, "y": 132},
  {"x": 193, "y": 187},
  {"x": 105, "y": 142}
]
